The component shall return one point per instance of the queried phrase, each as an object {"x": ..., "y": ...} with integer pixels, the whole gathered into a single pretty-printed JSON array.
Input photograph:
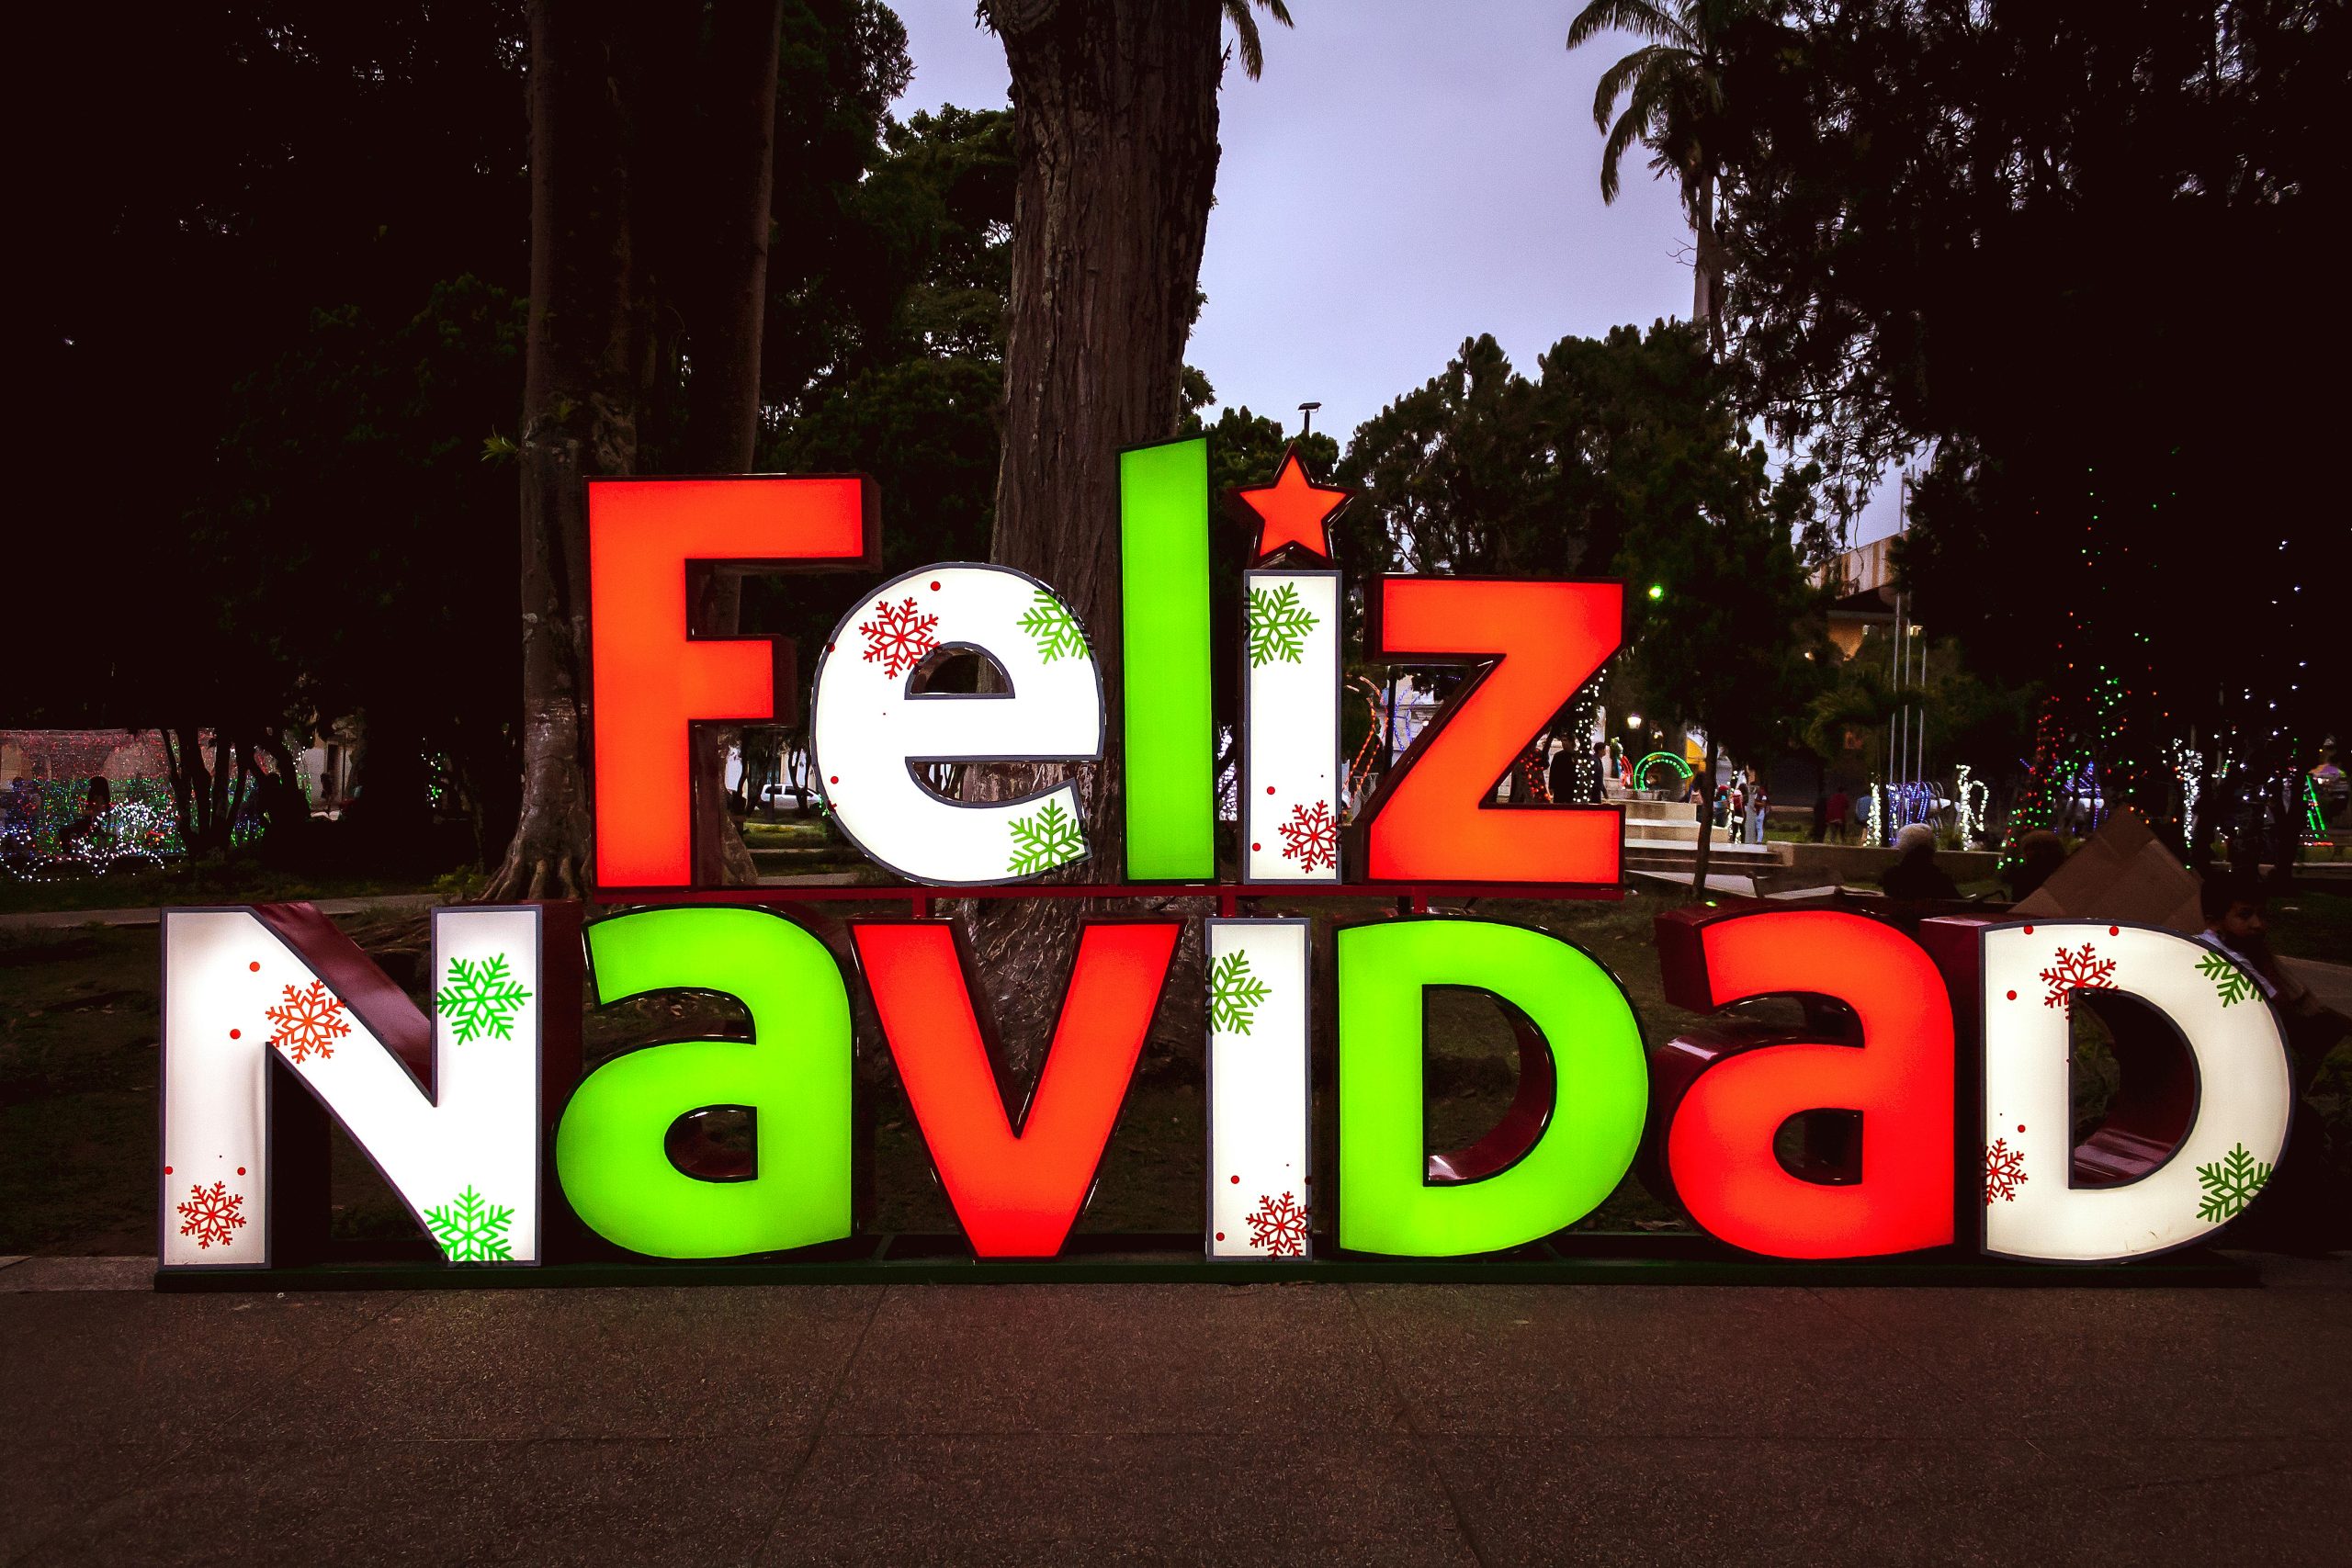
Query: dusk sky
[{"x": 1404, "y": 177}]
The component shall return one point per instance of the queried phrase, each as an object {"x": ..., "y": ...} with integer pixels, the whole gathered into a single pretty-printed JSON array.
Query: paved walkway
[{"x": 1184, "y": 1424}]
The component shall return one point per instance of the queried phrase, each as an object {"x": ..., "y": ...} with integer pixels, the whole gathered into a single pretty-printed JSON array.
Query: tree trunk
[
  {"x": 724, "y": 302},
  {"x": 1114, "y": 133},
  {"x": 583, "y": 381},
  {"x": 621, "y": 203},
  {"x": 1706, "y": 820},
  {"x": 1707, "y": 273}
]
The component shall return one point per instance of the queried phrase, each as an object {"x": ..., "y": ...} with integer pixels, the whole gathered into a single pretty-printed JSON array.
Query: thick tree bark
[
  {"x": 628, "y": 211},
  {"x": 584, "y": 377},
  {"x": 1706, "y": 820},
  {"x": 1707, "y": 280},
  {"x": 1114, "y": 131},
  {"x": 724, "y": 302}
]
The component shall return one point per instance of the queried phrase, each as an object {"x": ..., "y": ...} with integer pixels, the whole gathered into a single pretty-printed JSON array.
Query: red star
[{"x": 1293, "y": 510}]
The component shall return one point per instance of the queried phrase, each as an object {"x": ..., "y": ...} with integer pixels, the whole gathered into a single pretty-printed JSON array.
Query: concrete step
[{"x": 1687, "y": 849}]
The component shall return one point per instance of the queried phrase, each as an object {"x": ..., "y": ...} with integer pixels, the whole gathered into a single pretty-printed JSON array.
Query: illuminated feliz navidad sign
[{"x": 1943, "y": 1063}]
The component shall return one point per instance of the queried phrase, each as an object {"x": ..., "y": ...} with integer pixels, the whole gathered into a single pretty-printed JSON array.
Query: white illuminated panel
[
  {"x": 869, "y": 736},
  {"x": 466, "y": 1160},
  {"x": 1259, "y": 1108},
  {"x": 2245, "y": 1091},
  {"x": 1290, "y": 775}
]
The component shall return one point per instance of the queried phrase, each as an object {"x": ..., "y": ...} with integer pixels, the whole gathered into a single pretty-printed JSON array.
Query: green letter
[
  {"x": 1602, "y": 1087},
  {"x": 794, "y": 1074},
  {"x": 1164, "y": 660}
]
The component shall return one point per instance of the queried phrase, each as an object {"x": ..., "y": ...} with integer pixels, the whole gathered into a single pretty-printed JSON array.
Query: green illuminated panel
[
  {"x": 794, "y": 1074},
  {"x": 1164, "y": 660},
  {"x": 1585, "y": 1147}
]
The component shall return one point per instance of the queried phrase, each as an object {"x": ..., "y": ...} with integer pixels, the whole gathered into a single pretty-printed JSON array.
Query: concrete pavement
[{"x": 1402, "y": 1423}]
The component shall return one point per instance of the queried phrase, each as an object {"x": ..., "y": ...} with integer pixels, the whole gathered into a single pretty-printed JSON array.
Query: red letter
[
  {"x": 1017, "y": 1193},
  {"x": 1721, "y": 1096},
  {"x": 652, "y": 678},
  {"x": 1433, "y": 820}
]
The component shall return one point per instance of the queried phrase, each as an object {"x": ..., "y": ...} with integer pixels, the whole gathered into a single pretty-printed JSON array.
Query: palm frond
[
  {"x": 1643, "y": 18},
  {"x": 1245, "y": 30},
  {"x": 1636, "y": 124},
  {"x": 1620, "y": 78}
]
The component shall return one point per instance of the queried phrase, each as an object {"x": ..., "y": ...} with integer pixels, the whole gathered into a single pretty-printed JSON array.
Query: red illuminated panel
[
  {"x": 1432, "y": 822},
  {"x": 1016, "y": 1194},
  {"x": 1719, "y": 1142},
  {"x": 651, "y": 679}
]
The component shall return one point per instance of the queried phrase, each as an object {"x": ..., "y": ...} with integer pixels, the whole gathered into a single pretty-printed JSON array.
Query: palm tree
[{"x": 1673, "y": 89}]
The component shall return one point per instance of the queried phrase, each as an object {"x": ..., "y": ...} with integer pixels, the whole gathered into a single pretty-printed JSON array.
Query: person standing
[
  {"x": 1757, "y": 803},
  {"x": 1840, "y": 811}
]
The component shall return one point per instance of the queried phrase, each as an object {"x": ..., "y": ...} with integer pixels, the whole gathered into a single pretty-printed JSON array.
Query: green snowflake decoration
[
  {"x": 1046, "y": 840},
  {"x": 1235, "y": 994},
  {"x": 1279, "y": 624},
  {"x": 472, "y": 1230},
  {"x": 2230, "y": 1184},
  {"x": 2232, "y": 984},
  {"x": 1056, "y": 632},
  {"x": 481, "y": 999}
]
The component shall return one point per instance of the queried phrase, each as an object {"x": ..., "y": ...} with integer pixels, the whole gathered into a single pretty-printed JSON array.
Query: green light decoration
[
  {"x": 793, "y": 1075},
  {"x": 481, "y": 999},
  {"x": 1235, "y": 994},
  {"x": 2229, "y": 1183},
  {"x": 471, "y": 1229},
  {"x": 1044, "y": 840},
  {"x": 1585, "y": 1146},
  {"x": 1640, "y": 775},
  {"x": 1279, "y": 625},
  {"x": 1658, "y": 592},
  {"x": 1164, "y": 661},
  {"x": 1052, "y": 627},
  {"x": 2232, "y": 984}
]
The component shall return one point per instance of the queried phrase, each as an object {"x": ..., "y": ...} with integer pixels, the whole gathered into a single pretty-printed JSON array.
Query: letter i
[
  {"x": 1291, "y": 801},
  {"x": 1259, "y": 1103}
]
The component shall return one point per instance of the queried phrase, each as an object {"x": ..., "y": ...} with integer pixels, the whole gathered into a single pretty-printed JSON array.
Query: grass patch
[{"x": 235, "y": 882}]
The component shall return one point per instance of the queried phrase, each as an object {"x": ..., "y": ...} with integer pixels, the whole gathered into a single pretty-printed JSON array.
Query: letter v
[{"x": 1015, "y": 1191}]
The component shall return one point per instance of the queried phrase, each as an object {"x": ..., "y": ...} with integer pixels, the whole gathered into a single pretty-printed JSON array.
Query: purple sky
[{"x": 1405, "y": 175}]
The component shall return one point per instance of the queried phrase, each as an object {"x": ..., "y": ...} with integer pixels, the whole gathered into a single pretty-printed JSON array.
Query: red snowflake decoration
[
  {"x": 2004, "y": 1172},
  {"x": 1311, "y": 836},
  {"x": 899, "y": 635},
  {"x": 309, "y": 1020},
  {"x": 1279, "y": 1225},
  {"x": 212, "y": 1214},
  {"x": 2072, "y": 972}
]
